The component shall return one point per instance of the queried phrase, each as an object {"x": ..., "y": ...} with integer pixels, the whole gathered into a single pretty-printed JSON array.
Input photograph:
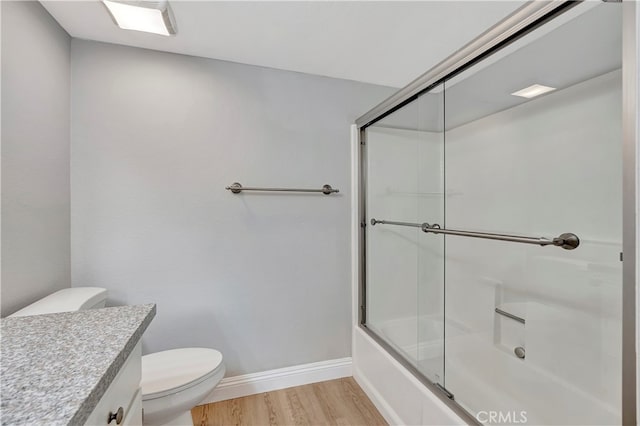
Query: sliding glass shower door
[
  {"x": 493, "y": 227},
  {"x": 405, "y": 272}
]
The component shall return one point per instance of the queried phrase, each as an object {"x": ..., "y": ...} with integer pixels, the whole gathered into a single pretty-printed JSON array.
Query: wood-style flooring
[{"x": 335, "y": 402}]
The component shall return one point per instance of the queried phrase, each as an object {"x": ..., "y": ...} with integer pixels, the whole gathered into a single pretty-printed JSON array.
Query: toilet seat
[{"x": 168, "y": 372}]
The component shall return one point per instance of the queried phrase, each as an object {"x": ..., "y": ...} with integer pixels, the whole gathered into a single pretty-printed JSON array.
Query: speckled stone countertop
[{"x": 54, "y": 368}]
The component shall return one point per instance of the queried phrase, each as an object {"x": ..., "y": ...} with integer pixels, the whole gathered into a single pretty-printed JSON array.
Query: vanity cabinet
[
  {"x": 93, "y": 362},
  {"x": 121, "y": 403}
]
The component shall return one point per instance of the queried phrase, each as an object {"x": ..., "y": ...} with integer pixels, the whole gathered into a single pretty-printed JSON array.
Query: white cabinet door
[{"x": 123, "y": 394}]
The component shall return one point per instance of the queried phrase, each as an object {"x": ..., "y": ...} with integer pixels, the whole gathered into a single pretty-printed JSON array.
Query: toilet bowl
[{"x": 173, "y": 381}]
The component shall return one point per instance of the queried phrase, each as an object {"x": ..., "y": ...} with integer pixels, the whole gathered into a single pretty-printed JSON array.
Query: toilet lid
[{"x": 171, "y": 371}]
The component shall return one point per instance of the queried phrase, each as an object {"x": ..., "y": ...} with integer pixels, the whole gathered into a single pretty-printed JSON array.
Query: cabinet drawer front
[{"x": 121, "y": 393}]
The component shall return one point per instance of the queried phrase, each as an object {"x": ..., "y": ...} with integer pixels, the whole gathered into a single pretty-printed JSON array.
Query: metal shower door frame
[{"x": 524, "y": 20}]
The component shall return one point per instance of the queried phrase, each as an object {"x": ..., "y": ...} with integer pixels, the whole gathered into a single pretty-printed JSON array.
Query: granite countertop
[{"x": 54, "y": 368}]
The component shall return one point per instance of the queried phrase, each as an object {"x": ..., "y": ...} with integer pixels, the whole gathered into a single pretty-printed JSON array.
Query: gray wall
[
  {"x": 35, "y": 154},
  {"x": 156, "y": 137}
]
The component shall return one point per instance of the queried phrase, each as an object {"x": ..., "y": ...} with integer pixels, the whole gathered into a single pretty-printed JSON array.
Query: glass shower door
[
  {"x": 534, "y": 333},
  {"x": 403, "y": 158},
  {"x": 431, "y": 200}
]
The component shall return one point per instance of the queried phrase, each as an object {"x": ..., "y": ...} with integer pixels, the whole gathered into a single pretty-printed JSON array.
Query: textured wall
[
  {"x": 35, "y": 154},
  {"x": 156, "y": 137}
]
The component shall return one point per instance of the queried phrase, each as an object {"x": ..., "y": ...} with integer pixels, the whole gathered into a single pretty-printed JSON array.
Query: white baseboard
[{"x": 281, "y": 378}]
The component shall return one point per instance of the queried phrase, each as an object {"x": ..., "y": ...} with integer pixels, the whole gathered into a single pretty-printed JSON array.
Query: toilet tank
[{"x": 66, "y": 300}]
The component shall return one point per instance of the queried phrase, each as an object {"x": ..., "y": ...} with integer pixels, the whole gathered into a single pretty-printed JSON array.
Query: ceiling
[
  {"x": 580, "y": 44},
  {"x": 382, "y": 42}
]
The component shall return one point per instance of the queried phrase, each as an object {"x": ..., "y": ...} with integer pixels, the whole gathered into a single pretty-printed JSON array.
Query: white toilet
[{"x": 173, "y": 381}]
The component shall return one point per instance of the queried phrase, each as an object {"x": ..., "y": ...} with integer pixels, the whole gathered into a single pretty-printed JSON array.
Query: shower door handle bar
[
  {"x": 237, "y": 188},
  {"x": 374, "y": 222},
  {"x": 567, "y": 241}
]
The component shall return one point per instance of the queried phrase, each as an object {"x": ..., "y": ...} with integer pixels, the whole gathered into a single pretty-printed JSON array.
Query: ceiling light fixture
[
  {"x": 143, "y": 15},
  {"x": 533, "y": 91}
]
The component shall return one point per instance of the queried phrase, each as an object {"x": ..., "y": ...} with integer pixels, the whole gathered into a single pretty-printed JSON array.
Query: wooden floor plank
[
  {"x": 363, "y": 404},
  {"x": 280, "y": 402},
  {"x": 331, "y": 399},
  {"x": 338, "y": 402}
]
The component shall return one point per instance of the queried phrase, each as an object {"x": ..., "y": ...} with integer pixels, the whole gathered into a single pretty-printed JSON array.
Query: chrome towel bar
[
  {"x": 237, "y": 188},
  {"x": 567, "y": 241}
]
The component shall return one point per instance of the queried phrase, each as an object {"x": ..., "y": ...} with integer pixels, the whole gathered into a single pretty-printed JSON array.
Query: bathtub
[{"x": 484, "y": 377}]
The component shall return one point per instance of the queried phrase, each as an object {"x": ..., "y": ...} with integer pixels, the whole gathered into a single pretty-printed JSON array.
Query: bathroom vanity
[{"x": 73, "y": 367}]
